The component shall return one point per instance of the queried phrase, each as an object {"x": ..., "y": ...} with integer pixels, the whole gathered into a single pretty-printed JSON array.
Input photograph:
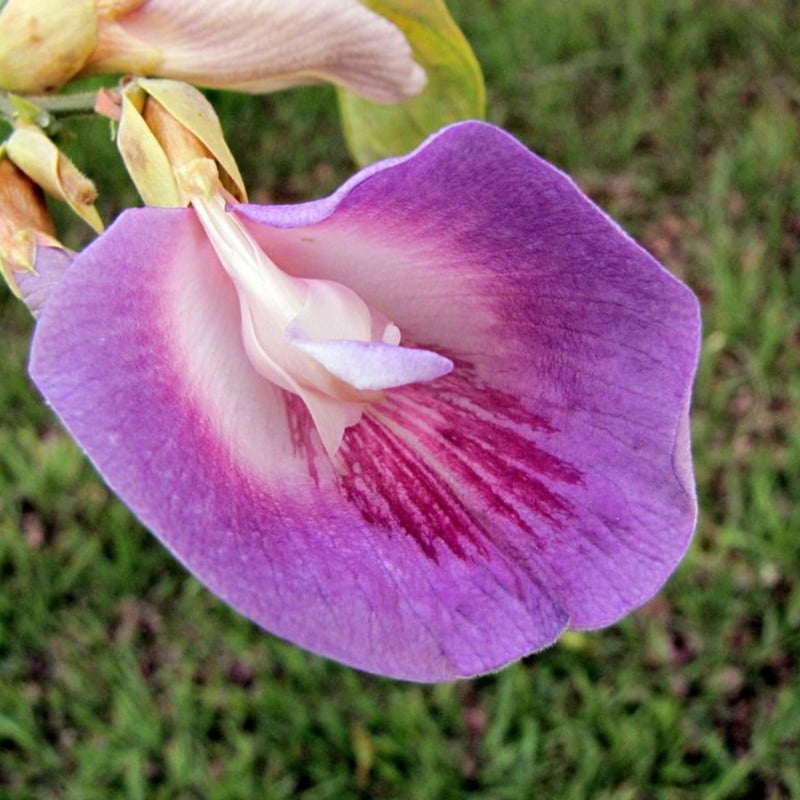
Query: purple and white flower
[{"x": 421, "y": 426}]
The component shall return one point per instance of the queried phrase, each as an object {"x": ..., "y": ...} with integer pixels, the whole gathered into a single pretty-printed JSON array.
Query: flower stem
[{"x": 48, "y": 106}]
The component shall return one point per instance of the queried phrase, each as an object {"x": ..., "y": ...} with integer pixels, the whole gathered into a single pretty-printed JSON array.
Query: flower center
[{"x": 315, "y": 338}]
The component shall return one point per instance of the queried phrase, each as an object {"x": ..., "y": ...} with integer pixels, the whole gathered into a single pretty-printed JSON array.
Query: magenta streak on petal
[
  {"x": 301, "y": 428},
  {"x": 444, "y": 463},
  {"x": 411, "y": 497}
]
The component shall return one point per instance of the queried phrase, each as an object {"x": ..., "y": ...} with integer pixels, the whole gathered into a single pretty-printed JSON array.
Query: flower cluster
[{"x": 421, "y": 426}]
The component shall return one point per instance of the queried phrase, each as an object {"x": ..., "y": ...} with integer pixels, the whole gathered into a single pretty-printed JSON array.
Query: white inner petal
[{"x": 315, "y": 338}]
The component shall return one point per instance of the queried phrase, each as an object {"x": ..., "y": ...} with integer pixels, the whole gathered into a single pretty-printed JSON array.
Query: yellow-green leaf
[{"x": 454, "y": 91}]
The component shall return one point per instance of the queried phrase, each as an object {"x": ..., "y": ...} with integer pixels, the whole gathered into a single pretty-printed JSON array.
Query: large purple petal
[
  {"x": 489, "y": 255},
  {"x": 546, "y": 481}
]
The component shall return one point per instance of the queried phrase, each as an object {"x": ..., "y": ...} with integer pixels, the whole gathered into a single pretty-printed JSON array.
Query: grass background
[{"x": 121, "y": 677}]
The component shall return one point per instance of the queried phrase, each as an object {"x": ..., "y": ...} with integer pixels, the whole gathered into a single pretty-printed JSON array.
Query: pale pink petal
[{"x": 262, "y": 46}]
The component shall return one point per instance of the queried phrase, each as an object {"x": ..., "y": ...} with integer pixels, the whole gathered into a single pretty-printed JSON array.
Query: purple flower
[{"x": 445, "y": 523}]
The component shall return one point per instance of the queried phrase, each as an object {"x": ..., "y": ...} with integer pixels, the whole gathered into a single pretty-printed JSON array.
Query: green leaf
[{"x": 454, "y": 91}]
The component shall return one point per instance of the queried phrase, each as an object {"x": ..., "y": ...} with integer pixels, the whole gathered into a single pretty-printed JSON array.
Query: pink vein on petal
[{"x": 420, "y": 463}]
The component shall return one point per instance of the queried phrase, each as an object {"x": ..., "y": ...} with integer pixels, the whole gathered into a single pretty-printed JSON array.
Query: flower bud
[
  {"x": 24, "y": 222},
  {"x": 164, "y": 124},
  {"x": 43, "y": 44},
  {"x": 39, "y": 158}
]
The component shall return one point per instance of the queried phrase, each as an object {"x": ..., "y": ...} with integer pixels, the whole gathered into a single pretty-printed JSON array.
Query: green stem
[
  {"x": 6, "y": 109},
  {"x": 49, "y": 105},
  {"x": 64, "y": 105}
]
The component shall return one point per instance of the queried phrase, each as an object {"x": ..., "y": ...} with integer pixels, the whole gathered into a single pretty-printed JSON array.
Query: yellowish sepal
[
  {"x": 36, "y": 155},
  {"x": 163, "y": 125},
  {"x": 144, "y": 157},
  {"x": 24, "y": 222},
  {"x": 197, "y": 115},
  {"x": 19, "y": 255}
]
